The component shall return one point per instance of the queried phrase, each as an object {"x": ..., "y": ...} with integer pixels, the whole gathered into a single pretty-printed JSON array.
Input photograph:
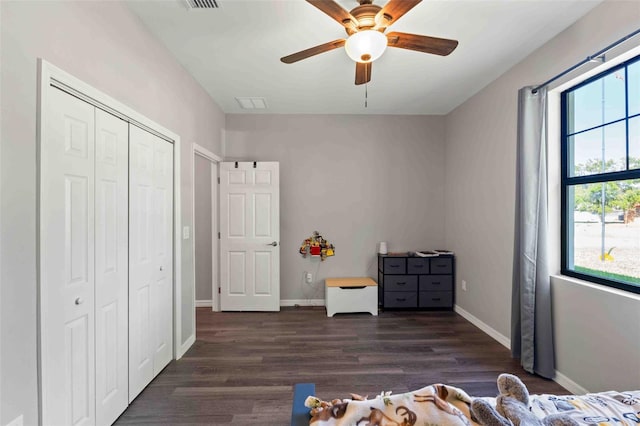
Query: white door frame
[
  {"x": 214, "y": 160},
  {"x": 49, "y": 74}
]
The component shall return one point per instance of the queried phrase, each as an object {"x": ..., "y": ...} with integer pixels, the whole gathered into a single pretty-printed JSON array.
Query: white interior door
[
  {"x": 249, "y": 236},
  {"x": 111, "y": 262},
  {"x": 150, "y": 257},
  {"x": 67, "y": 262}
]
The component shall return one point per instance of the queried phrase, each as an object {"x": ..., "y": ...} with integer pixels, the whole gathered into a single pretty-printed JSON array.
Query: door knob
[
  {"x": 79, "y": 300},
  {"x": 275, "y": 243}
]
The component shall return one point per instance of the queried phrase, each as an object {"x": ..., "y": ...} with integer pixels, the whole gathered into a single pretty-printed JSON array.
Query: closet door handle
[
  {"x": 275, "y": 243},
  {"x": 79, "y": 301},
  {"x": 161, "y": 269}
]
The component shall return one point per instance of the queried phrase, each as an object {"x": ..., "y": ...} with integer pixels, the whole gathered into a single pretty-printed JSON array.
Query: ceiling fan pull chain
[{"x": 366, "y": 95}]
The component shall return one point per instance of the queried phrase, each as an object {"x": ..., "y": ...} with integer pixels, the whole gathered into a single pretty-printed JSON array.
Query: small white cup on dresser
[{"x": 382, "y": 247}]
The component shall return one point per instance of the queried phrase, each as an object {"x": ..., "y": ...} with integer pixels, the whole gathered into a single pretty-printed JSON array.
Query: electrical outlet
[
  {"x": 464, "y": 285},
  {"x": 308, "y": 277}
]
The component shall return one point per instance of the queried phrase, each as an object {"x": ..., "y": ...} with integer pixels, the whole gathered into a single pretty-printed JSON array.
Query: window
[{"x": 601, "y": 178}]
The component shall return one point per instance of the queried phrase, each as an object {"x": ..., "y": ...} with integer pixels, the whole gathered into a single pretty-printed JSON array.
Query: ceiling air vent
[
  {"x": 202, "y": 4},
  {"x": 252, "y": 103}
]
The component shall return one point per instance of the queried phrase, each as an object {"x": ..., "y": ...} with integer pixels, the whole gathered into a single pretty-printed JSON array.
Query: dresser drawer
[
  {"x": 441, "y": 266},
  {"x": 400, "y": 299},
  {"x": 417, "y": 265},
  {"x": 435, "y": 283},
  {"x": 436, "y": 299},
  {"x": 394, "y": 265},
  {"x": 400, "y": 283}
]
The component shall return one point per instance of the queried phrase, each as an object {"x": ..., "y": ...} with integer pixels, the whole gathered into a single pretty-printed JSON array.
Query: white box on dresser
[{"x": 345, "y": 295}]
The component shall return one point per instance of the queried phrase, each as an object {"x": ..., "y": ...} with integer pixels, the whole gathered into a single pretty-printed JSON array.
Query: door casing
[{"x": 215, "y": 268}]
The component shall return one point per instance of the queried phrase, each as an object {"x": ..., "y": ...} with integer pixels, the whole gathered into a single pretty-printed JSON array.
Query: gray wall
[
  {"x": 355, "y": 179},
  {"x": 597, "y": 336},
  {"x": 105, "y": 45},
  {"x": 202, "y": 231},
  {"x": 480, "y": 188}
]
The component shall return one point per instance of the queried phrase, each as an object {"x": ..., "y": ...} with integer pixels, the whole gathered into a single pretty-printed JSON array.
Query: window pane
[
  {"x": 634, "y": 143},
  {"x": 599, "y": 102},
  {"x": 597, "y": 151},
  {"x": 609, "y": 248},
  {"x": 633, "y": 74}
]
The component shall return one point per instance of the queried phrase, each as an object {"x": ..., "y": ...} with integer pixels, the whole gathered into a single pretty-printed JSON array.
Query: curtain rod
[{"x": 596, "y": 55}]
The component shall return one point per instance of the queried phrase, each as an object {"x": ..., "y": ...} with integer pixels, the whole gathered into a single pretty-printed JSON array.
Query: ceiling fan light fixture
[{"x": 366, "y": 46}]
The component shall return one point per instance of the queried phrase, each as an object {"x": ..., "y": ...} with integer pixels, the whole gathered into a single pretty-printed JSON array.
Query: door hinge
[
  {"x": 218, "y": 235},
  {"x": 218, "y": 181},
  {"x": 219, "y": 290}
]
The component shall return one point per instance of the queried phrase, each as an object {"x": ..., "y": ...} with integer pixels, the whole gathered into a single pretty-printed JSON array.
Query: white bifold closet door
[
  {"x": 83, "y": 263},
  {"x": 150, "y": 257}
]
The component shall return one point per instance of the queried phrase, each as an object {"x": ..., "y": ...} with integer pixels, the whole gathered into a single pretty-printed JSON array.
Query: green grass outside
[{"x": 608, "y": 275}]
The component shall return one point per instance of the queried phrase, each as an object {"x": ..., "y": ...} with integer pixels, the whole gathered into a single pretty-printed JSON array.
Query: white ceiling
[{"x": 235, "y": 50}]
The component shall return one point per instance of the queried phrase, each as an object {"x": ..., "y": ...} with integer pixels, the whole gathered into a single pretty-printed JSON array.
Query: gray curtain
[{"x": 531, "y": 322}]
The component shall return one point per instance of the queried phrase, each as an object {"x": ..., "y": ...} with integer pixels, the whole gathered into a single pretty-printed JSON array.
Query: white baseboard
[
  {"x": 302, "y": 302},
  {"x": 186, "y": 345},
  {"x": 569, "y": 384},
  {"x": 559, "y": 378},
  {"x": 204, "y": 303},
  {"x": 500, "y": 338}
]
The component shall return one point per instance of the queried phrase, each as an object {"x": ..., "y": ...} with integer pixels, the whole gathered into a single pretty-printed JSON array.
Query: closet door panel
[
  {"x": 151, "y": 257},
  {"x": 141, "y": 262},
  {"x": 111, "y": 262},
  {"x": 67, "y": 261},
  {"x": 163, "y": 252}
]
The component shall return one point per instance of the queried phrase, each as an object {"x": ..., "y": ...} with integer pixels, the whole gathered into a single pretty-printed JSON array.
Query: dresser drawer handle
[
  {"x": 401, "y": 300},
  {"x": 441, "y": 266},
  {"x": 435, "y": 299},
  {"x": 436, "y": 283},
  {"x": 418, "y": 266},
  {"x": 401, "y": 283},
  {"x": 394, "y": 266}
]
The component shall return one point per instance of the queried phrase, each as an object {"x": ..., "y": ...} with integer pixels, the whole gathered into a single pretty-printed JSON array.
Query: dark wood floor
[{"x": 243, "y": 366}]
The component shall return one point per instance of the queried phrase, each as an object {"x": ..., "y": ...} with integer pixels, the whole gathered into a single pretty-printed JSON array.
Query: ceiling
[{"x": 235, "y": 50}]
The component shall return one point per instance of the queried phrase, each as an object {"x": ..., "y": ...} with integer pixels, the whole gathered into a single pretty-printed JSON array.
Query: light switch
[{"x": 185, "y": 233}]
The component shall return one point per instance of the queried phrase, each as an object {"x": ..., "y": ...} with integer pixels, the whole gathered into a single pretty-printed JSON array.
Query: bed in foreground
[{"x": 450, "y": 406}]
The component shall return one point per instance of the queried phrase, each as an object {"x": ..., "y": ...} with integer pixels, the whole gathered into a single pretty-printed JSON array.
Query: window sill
[{"x": 596, "y": 287}]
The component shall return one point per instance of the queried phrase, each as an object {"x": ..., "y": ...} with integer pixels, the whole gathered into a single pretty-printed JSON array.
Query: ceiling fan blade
[
  {"x": 304, "y": 54},
  {"x": 420, "y": 43},
  {"x": 334, "y": 10},
  {"x": 363, "y": 72},
  {"x": 393, "y": 10}
]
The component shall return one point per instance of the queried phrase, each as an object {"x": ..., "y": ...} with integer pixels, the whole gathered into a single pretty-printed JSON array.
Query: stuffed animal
[{"x": 512, "y": 407}]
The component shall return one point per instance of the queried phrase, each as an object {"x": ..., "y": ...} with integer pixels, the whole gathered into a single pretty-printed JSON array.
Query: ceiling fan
[{"x": 365, "y": 25}]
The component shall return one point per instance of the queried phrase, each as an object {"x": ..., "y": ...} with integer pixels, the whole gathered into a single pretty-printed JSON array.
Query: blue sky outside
[{"x": 597, "y": 104}]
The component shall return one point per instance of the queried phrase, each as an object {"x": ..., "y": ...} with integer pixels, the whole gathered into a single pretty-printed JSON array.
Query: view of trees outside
[{"x": 602, "y": 139}]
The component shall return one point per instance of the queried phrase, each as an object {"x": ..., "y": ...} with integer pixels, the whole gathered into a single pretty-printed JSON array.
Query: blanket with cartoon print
[
  {"x": 432, "y": 405},
  {"x": 443, "y": 405}
]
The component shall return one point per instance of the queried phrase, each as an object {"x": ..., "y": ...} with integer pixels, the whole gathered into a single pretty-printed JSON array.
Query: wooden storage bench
[{"x": 343, "y": 295}]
